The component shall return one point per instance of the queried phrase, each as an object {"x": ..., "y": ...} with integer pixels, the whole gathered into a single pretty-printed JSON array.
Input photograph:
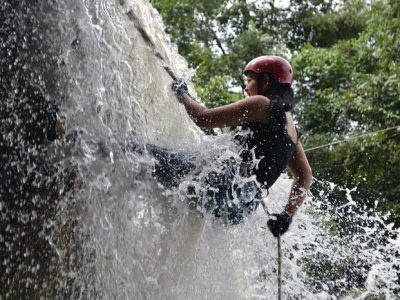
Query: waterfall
[{"x": 81, "y": 216}]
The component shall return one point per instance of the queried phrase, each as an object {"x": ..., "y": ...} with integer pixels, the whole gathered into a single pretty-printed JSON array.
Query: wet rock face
[
  {"x": 29, "y": 73},
  {"x": 31, "y": 90}
]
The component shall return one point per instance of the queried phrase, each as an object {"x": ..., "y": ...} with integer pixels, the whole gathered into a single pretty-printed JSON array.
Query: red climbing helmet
[{"x": 276, "y": 65}]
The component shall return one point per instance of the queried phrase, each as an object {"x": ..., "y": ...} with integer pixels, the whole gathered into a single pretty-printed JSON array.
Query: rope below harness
[
  {"x": 279, "y": 256},
  {"x": 279, "y": 268}
]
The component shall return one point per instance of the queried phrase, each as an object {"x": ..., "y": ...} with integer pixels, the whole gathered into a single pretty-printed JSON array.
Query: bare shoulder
[
  {"x": 258, "y": 100},
  {"x": 257, "y": 107}
]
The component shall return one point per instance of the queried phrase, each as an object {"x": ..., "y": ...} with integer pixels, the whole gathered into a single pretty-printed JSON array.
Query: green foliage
[
  {"x": 190, "y": 22},
  {"x": 324, "y": 23},
  {"x": 216, "y": 93},
  {"x": 350, "y": 88},
  {"x": 359, "y": 75}
]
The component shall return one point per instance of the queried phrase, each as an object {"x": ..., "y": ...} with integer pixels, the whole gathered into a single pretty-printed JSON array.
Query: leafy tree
[
  {"x": 353, "y": 88},
  {"x": 217, "y": 38},
  {"x": 322, "y": 23}
]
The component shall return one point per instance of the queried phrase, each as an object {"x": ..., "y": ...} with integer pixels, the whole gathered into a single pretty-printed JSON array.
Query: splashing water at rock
[{"x": 80, "y": 213}]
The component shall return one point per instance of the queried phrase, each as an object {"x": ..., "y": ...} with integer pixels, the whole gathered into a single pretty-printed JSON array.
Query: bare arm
[
  {"x": 302, "y": 178},
  {"x": 250, "y": 109}
]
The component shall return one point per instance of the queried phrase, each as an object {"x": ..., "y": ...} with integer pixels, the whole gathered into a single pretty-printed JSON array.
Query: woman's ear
[{"x": 267, "y": 82}]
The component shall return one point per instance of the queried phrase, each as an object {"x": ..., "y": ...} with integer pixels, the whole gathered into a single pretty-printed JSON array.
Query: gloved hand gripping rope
[
  {"x": 180, "y": 88},
  {"x": 278, "y": 226}
]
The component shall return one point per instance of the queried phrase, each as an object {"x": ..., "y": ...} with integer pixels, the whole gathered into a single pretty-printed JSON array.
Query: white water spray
[{"x": 134, "y": 239}]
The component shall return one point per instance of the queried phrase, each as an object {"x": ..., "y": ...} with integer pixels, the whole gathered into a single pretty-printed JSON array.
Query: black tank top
[{"x": 266, "y": 150}]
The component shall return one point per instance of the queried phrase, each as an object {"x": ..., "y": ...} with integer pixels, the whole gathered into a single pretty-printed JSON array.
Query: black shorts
[{"x": 222, "y": 192}]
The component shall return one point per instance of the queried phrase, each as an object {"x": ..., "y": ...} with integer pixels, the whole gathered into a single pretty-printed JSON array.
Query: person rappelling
[{"x": 265, "y": 133}]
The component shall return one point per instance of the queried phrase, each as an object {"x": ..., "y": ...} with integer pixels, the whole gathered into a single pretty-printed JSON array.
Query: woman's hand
[
  {"x": 279, "y": 223},
  {"x": 179, "y": 87}
]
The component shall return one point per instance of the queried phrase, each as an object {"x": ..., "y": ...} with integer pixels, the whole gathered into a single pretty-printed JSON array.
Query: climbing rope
[
  {"x": 354, "y": 137},
  {"x": 279, "y": 268},
  {"x": 279, "y": 256}
]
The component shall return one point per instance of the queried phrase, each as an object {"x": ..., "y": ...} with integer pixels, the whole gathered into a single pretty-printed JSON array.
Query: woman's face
[{"x": 251, "y": 87}]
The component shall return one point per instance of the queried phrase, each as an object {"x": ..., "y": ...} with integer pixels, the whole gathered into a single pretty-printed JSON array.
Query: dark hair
[{"x": 280, "y": 94}]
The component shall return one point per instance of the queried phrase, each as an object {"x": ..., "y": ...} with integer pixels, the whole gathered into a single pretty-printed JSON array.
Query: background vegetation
[{"x": 346, "y": 58}]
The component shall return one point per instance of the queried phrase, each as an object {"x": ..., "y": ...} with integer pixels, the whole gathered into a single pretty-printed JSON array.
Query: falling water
[{"x": 81, "y": 215}]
